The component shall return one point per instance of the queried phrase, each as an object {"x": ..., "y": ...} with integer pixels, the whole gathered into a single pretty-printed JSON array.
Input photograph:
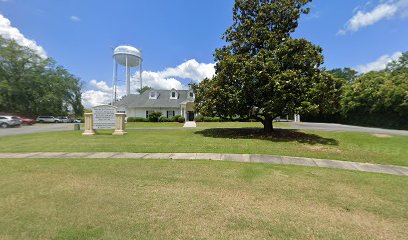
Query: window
[
  {"x": 173, "y": 94},
  {"x": 153, "y": 95},
  {"x": 170, "y": 114},
  {"x": 191, "y": 94}
]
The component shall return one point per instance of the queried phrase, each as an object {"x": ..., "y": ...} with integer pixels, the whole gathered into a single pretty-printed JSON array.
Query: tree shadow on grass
[{"x": 279, "y": 135}]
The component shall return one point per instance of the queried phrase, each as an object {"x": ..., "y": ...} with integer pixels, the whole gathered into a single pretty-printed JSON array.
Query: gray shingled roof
[{"x": 163, "y": 101}]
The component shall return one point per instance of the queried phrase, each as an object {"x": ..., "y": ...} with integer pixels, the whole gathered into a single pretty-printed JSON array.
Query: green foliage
[
  {"x": 401, "y": 64},
  {"x": 378, "y": 99},
  {"x": 32, "y": 86},
  {"x": 165, "y": 119},
  {"x": 263, "y": 72},
  {"x": 137, "y": 119},
  {"x": 154, "y": 116},
  {"x": 199, "y": 118},
  {"x": 144, "y": 89},
  {"x": 347, "y": 74},
  {"x": 175, "y": 118},
  {"x": 181, "y": 119}
]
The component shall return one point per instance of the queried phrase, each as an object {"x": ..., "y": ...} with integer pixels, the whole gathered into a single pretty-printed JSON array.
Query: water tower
[{"x": 128, "y": 57}]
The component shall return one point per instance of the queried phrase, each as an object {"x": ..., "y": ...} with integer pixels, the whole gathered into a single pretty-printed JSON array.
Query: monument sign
[{"x": 104, "y": 117}]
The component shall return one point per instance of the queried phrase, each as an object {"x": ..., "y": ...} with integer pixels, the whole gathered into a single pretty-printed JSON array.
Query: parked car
[
  {"x": 26, "y": 121},
  {"x": 9, "y": 121},
  {"x": 48, "y": 119},
  {"x": 65, "y": 119},
  {"x": 77, "y": 120}
]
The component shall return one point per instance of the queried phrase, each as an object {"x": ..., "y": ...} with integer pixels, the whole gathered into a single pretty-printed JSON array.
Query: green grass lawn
[
  {"x": 348, "y": 146},
  {"x": 153, "y": 124},
  {"x": 237, "y": 125},
  {"x": 167, "y": 199},
  {"x": 201, "y": 125}
]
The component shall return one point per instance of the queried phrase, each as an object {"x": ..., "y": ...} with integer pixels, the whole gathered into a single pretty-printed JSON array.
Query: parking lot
[{"x": 36, "y": 128}]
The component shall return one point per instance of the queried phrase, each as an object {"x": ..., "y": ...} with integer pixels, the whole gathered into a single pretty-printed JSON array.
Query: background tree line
[
  {"x": 377, "y": 98},
  {"x": 32, "y": 86}
]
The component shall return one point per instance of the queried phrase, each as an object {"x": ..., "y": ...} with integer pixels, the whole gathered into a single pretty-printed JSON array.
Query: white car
[
  {"x": 48, "y": 119},
  {"x": 9, "y": 121}
]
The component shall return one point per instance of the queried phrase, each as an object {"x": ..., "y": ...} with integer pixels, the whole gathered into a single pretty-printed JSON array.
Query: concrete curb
[{"x": 247, "y": 158}]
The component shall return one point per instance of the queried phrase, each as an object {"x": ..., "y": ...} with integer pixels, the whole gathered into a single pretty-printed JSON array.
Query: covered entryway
[
  {"x": 190, "y": 116},
  {"x": 187, "y": 110}
]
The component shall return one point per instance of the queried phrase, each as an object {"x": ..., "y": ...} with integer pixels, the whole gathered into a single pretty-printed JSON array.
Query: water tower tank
[
  {"x": 132, "y": 54},
  {"x": 129, "y": 57}
]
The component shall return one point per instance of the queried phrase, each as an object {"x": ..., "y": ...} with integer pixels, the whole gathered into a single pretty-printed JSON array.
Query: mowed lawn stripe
[
  {"x": 346, "y": 146},
  {"x": 162, "y": 199}
]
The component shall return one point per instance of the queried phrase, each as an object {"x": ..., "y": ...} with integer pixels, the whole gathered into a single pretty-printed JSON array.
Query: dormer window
[
  {"x": 153, "y": 95},
  {"x": 173, "y": 94},
  {"x": 191, "y": 94}
]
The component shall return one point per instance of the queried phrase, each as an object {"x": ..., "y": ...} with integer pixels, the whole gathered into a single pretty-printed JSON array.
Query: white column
[
  {"x": 88, "y": 125},
  {"x": 120, "y": 124}
]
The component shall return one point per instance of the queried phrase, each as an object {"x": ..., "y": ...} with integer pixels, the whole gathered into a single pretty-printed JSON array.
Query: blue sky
[{"x": 178, "y": 37}]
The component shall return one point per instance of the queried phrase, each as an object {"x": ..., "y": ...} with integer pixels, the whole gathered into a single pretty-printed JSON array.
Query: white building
[{"x": 168, "y": 102}]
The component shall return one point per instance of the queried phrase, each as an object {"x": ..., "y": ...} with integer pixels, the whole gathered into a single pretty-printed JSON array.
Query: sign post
[
  {"x": 104, "y": 117},
  {"x": 120, "y": 124},
  {"x": 88, "y": 125}
]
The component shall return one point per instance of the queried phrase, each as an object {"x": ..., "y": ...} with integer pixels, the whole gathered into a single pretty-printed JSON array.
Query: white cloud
[
  {"x": 100, "y": 86},
  {"x": 9, "y": 32},
  {"x": 379, "y": 64},
  {"x": 191, "y": 69},
  {"x": 75, "y": 18},
  {"x": 92, "y": 98},
  {"x": 101, "y": 93},
  {"x": 382, "y": 11}
]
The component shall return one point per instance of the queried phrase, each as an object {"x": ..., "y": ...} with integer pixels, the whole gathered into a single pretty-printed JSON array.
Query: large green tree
[
  {"x": 30, "y": 85},
  {"x": 263, "y": 72}
]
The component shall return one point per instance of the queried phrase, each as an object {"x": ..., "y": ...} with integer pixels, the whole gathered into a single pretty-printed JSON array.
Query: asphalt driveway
[
  {"x": 52, "y": 127},
  {"x": 344, "y": 128},
  {"x": 36, "y": 128}
]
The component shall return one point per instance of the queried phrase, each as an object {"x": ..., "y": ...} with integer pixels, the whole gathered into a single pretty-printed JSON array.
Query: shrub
[
  {"x": 164, "y": 119},
  {"x": 137, "y": 119},
  {"x": 199, "y": 118},
  {"x": 154, "y": 116},
  {"x": 175, "y": 118},
  {"x": 181, "y": 119},
  {"x": 212, "y": 119}
]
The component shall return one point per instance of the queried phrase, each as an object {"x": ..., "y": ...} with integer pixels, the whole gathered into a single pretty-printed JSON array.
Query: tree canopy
[
  {"x": 144, "y": 89},
  {"x": 32, "y": 86},
  {"x": 263, "y": 72}
]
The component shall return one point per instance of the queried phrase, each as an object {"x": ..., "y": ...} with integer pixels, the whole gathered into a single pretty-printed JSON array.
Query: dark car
[
  {"x": 48, "y": 119},
  {"x": 9, "y": 121}
]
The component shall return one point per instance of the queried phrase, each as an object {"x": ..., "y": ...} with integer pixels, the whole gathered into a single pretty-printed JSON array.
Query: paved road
[
  {"x": 344, "y": 128},
  {"x": 249, "y": 158},
  {"x": 36, "y": 128}
]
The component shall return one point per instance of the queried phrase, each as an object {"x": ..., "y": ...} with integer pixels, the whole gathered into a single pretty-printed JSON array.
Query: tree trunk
[{"x": 268, "y": 125}]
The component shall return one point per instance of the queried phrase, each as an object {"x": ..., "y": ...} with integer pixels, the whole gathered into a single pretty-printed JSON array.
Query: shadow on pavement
[{"x": 279, "y": 135}]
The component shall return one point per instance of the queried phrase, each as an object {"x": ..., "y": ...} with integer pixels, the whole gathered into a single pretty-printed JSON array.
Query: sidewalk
[
  {"x": 190, "y": 125},
  {"x": 363, "y": 167}
]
